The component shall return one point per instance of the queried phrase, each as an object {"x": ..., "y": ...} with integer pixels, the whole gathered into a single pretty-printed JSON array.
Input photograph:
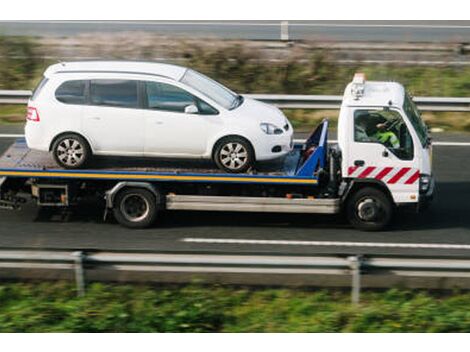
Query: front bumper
[
  {"x": 270, "y": 147},
  {"x": 425, "y": 199}
]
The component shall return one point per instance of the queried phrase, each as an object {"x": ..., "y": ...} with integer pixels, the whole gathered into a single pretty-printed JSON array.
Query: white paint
[
  {"x": 6, "y": 135},
  {"x": 327, "y": 243},
  {"x": 435, "y": 144}
]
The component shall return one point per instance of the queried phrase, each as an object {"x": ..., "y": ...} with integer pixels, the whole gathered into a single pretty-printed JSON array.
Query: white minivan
[{"x": 123, "y": 108}]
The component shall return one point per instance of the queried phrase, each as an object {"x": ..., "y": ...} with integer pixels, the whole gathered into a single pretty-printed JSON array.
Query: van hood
[{"x": 259, "y": 112}]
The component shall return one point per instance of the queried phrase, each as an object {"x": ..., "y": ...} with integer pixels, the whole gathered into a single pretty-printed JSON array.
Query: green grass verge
[
  {"x": 54, "y": 307},
  {"x": 12, "y": 114}
]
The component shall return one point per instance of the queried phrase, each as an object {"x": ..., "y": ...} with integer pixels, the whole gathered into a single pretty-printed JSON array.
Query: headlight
[
  {"x": 424, "y": 183},
  {"x": 269, "y": 128}
]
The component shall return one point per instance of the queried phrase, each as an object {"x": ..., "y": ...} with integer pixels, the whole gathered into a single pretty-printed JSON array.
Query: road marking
[
  {"x": 327, "y": 243},
  {"x": 435, "y": 144},
  {"x": 439, "y": 144},
  {"x": 11, "y": 135}
]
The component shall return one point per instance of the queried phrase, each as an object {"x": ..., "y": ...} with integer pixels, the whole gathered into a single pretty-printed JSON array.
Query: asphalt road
[
  {"x": 447, "y": 222},
  {"x": 381, "y": 31}
]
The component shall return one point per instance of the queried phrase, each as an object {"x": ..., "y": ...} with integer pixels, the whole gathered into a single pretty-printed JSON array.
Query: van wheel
[
  {"x": 135, "y": 208},
  {"x": 71, "y": 151},
  {"x": 369, "y": 209},
  {"x": 234, "y": 155}
]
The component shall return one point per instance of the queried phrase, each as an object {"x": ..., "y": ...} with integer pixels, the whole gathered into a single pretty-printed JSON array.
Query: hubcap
[
  {"x": 70, "y": 152},
  {"x": 368, "y": 210},
  {"x": 134, "y": 207},
  {"x": 233, "y": 156}
]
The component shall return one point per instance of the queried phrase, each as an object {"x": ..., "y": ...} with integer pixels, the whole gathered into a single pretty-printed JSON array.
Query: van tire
[
  {"x": 71, "y": 151},
  {"x": 369, "y": 209},
  {"x": 234, "y": 154}
]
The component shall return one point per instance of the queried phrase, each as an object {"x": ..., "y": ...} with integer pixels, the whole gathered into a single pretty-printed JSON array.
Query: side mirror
[{"x": 191, "y": 109}]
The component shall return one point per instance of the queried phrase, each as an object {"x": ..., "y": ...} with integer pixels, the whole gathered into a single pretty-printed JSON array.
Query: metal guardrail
[
  {"x": 326, "y": 271},
  {"x": 318, "y": 102}
]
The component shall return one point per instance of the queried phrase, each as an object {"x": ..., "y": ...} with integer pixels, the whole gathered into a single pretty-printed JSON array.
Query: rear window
[
  {"x": 38, "y": 88},
  {"x": 71, "y": 92},
  {"x": 115, "y": 93}
]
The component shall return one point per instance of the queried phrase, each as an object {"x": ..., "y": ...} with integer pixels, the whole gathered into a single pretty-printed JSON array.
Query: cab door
[
  {"x": 176, "y": 122},
  {"x": 382, "y": 149},
  {"x": 113, "y": 120}
]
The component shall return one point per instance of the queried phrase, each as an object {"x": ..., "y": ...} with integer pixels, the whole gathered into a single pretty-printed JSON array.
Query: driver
[
  {"x": 385, "y": 136},
  {"x": 379, "y": 129}
]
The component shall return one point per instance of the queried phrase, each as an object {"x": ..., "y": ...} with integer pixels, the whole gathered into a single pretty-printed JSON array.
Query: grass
[
  {"x": 12, "y": 114},
  {"x": 47, "y": 307}
]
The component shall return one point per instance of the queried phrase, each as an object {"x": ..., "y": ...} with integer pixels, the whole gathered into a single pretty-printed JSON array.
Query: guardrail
[
  {"x": 325, "y": 271},
  {"x": 284, "y": 101}
]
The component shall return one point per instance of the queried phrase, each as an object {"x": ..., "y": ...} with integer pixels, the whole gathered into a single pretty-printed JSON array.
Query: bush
[
  {"x": 18, "y": 62},
  {"x": 49, "y": 307}
]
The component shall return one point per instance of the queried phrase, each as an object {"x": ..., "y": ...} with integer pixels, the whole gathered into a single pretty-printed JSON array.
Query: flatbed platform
[{"x": 20, "y": 161}]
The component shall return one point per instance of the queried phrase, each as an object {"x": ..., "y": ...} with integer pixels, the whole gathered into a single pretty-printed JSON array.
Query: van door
[
  {"x": 112, "y": 120},
  {"x": 172, "y": 130},
  {"x": 382, "y": 149}
]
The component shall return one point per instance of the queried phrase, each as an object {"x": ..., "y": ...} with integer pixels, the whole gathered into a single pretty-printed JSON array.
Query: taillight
[{"x": 32, "y": 114}]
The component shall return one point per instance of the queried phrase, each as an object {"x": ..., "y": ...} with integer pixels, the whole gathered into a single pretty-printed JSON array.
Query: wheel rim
[
  {"x": 134, "y": 207},
  {"x": 233, "y": 156},
  {"x": 370, "y": 210},
  {"x": 70, "y": 152}
]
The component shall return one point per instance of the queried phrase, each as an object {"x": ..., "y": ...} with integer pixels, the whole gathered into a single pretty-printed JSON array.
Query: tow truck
[{"x": 381, "y": 162}]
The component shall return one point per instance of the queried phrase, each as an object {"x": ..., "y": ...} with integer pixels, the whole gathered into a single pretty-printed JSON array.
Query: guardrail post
[
  {"x": 79, "y": 273},
  {"x": 355, "y": 265},
  {"x": 284, "y": 31}
]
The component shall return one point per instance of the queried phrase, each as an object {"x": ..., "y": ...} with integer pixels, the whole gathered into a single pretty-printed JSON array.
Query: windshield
[
  {"x": 211, "y": 89},
  {"x": 413, "y": 114}
]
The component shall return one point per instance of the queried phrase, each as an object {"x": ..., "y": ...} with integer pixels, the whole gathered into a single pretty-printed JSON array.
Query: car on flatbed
[{"x": 135, "y": 109}]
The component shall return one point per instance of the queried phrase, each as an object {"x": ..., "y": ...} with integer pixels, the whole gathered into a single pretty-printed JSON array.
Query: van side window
[
  {"x": 114, "y": 93},
  {"x": 166, "y": 97},
  {"x": 71, "y": 92},
  {"x": 385, "y": 127}
]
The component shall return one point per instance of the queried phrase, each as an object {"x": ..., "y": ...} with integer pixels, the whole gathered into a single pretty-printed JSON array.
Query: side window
[
  {"x": 385, "y": 127},
  {"x": 71, "y": 92},
  {"x": 114, "y": 93},
  {"x": 166, "y": 97}
]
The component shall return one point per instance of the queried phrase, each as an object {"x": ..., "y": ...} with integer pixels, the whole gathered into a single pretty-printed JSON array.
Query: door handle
[
  {"x": 97, "y": 118},
  {"x": 385, "y": 154},
  {"x": 159, "y": 122},
  {"x": 359, "y": 163}
]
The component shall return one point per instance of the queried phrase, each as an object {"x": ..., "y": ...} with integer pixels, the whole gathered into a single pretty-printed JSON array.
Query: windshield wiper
[{"x": 237, "y": 102}]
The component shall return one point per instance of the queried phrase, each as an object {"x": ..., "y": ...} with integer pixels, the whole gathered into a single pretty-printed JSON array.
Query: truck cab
[{"x": 385, "y": 146}]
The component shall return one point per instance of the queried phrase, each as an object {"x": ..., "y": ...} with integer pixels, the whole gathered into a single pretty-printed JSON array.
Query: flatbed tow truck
[{"x": 362, "y": 176}]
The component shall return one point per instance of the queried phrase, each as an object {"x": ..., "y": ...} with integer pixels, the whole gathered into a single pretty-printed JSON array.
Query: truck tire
[
  {"x": 71, "y": 151},
  {"x": 135, "y": 208},
  {"x": 369, "y": 209},
  {"x": 234, "y": 154}
]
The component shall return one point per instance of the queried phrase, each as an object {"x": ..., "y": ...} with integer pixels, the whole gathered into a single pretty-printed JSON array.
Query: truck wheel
[
  {"x": 369, "y": 209},
  {"x": 135, "y": 208},
  {"x": 71, "y": 151},
  {"x": 234, "y": 155}
]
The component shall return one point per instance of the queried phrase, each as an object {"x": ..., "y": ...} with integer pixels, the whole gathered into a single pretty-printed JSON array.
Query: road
[
  {"x": 344, "y": 31},
  {"x": 447, "y": 222}
]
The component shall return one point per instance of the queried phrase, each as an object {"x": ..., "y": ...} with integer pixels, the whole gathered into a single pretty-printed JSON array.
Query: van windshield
[
  {"x": 211, "y": 89},
  {"x": 415, "y": 118}
]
